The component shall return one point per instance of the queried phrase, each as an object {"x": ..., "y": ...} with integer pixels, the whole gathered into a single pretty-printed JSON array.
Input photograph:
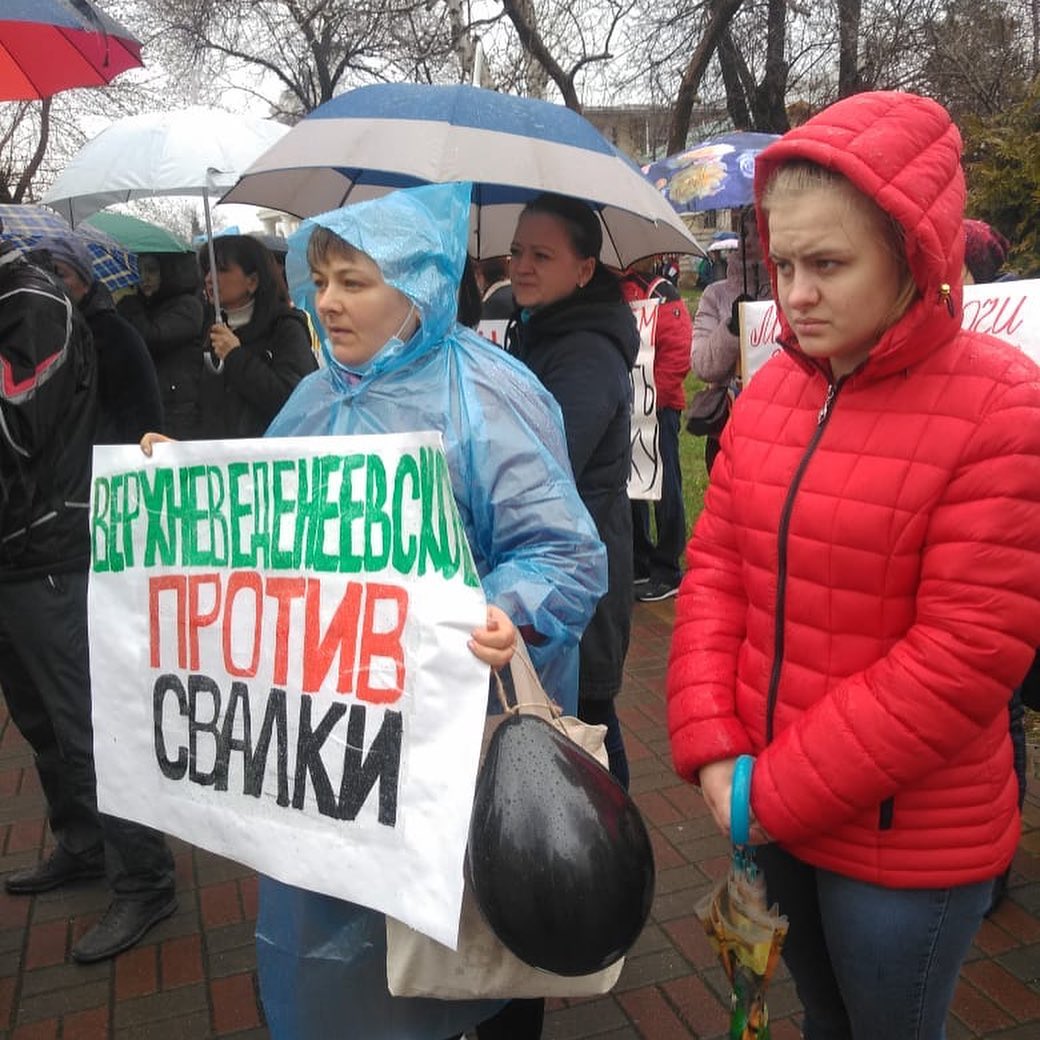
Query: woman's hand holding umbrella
[
  {"x": 223, "y": 340},
  {"x": 716, "y": 781}
]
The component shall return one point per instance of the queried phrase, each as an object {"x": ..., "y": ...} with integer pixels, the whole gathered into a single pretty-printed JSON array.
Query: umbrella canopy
[
  {"x": 26, "y": 225},
  {"x": 136, "y": 235},
  {"x": 393, "y": 135},
  {"x": 188, "y": 151},
  {"x": 51, "y": 45},
  {"x": 715, "y": 174}
]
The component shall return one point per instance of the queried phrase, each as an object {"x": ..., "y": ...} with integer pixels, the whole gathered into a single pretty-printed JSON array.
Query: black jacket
[
  {"x": 257, "y": 378},
  {"x": 128, "y": 389},
  {"x": 582, "y": 349},
  {"x": 171, "y": 323},
  {"x": 48, "y": 408}
]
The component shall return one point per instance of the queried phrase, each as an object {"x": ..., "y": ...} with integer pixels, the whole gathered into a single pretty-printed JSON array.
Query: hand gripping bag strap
[{"x": 417, "y": 966}]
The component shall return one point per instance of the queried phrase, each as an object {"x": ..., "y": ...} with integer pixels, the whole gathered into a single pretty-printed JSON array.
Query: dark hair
[
  {"x": 470, "y": 302},
  {"x": 255, "y": 259},
  {"x": 178, "y": 275},
  {"x": 580, "y": 220},
  {"x": 494, "y": 269}
]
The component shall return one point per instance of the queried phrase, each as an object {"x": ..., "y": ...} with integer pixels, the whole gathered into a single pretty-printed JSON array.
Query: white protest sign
[
  {"x": 644, "y": 479},
  {"x": 1007, "y": 310},
  {"x": 279, "y": 666}
]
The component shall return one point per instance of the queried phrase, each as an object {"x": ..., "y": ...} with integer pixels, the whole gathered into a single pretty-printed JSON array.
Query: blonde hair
[{"x": 796, "y": 178}]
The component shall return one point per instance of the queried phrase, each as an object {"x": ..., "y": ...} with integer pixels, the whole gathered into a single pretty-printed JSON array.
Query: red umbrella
[{"x": 52, "y": 45}]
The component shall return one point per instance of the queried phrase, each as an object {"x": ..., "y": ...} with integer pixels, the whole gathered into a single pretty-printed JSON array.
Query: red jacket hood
[{"x": 903, "y": 152}]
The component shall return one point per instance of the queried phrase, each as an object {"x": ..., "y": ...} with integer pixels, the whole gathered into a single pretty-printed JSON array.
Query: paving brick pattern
[{"x": 193, "y": 977}]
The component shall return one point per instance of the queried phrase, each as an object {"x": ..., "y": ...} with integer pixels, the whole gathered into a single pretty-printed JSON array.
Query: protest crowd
[{"x": 309, "y": 553}]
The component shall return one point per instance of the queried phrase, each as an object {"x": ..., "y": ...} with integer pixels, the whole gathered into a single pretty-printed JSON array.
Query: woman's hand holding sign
[{"x": 493, "y": 644}]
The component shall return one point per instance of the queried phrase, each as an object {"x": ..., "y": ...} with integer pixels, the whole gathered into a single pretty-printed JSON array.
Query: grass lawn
[{"x": 691, "y": 449}]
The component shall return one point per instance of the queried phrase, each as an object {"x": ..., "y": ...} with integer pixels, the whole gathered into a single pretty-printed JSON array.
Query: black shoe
[
  {"x": 656, "y": 590},
  {"x": 59, "y": 868},
  {"x": 124, "y": 924},
  {"x": 639, "y": 586}
]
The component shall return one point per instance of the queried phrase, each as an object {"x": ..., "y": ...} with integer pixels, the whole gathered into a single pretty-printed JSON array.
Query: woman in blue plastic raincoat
[{"x": 408, "y": 367}]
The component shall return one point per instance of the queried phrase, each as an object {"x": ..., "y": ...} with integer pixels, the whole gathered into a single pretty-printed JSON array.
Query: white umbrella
[
  {"x": 392, "y": 135},
  {"x": 190, "y": 151}
]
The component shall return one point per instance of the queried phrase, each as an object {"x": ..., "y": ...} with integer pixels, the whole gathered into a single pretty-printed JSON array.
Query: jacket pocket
[{"x": 885, "y": 814}]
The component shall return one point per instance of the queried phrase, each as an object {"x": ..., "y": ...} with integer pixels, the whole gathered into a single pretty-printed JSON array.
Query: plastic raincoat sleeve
[{"x": 545, "y": 564}]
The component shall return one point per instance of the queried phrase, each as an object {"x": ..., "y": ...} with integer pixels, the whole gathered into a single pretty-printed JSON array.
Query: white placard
[
  {"x": 279, "y": 666},
  {"x": 1007, "y": 310}
]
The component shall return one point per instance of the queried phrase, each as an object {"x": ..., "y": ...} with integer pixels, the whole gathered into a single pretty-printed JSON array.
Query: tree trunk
[
  {"x": 768, "y": 106},
  {"x": 738, "y": 81},
  {"x": 722, "y": 12},
  {"x": 24, "y": 182},
  {"x": 848, "y": 47}
]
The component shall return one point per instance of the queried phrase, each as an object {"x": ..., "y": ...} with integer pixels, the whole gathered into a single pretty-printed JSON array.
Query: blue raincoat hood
[
  {"x": 418, "y": 240},
  {"x": 533, "y": 541}
]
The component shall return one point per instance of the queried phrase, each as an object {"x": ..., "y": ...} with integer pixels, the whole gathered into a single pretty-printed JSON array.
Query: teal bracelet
[{"x": 740, "y": 801}]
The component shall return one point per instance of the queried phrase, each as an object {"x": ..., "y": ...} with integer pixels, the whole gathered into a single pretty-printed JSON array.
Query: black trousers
[{"x": 45, "y": 676}]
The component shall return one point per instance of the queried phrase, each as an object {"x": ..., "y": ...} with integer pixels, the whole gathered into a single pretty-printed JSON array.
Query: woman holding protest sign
[
  {"x": 861, "y": 597},
  {"x": 382, "y": 278}
]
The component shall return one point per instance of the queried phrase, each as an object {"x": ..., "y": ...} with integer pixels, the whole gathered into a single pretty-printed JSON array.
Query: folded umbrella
[
  {"x": 746, "y": 934},
  {"x": 393, "y": 135}
]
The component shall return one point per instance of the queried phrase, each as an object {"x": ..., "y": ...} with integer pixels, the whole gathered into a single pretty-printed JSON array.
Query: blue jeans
[
  {"x": 871, "y": 962},
  {"x": 660, "y": 562}
]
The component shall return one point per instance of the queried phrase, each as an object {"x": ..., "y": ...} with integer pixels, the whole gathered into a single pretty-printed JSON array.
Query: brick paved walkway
[{"x": 192, "y": 978}]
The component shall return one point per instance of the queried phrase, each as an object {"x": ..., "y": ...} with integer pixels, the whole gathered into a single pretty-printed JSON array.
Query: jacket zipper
[{"x": 781, "y": 583}]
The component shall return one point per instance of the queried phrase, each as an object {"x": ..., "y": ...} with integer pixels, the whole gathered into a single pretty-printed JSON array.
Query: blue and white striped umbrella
[
  {"x": 394, "y": 135},
  {"x": 25, "y": 225}
]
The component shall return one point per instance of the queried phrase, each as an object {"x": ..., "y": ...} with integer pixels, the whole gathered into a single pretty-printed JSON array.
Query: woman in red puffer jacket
[{"x": 861, "y": 595}]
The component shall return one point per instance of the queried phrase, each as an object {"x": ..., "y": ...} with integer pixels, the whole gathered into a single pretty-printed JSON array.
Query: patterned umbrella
[
  {"x": 51, "y": 45},
  {"x": 25, "y": 225},
  {"x": 715, "y": 174}
]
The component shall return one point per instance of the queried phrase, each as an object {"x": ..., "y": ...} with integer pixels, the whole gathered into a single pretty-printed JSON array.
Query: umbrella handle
[{"x": 740, "y": 801}]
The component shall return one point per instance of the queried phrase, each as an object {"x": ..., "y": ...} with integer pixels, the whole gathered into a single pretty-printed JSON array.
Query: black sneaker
[
  {"x": 657, "y": 590},
  {"x": 123, "y": 926},
  {"x": 639, "y": 586}
]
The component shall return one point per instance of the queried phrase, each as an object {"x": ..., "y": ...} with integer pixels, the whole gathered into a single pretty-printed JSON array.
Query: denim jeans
[{"x": 871, "y": 962}]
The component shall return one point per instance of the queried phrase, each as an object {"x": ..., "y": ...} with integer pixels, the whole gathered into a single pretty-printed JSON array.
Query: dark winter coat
[
  {"x": 582, "y": 349},
  {"x": 256, "y": 378},
  {"x": 48, "y": 408},
  {"x": 128, "y": 388},
  {"x": 171, "y": 323}
]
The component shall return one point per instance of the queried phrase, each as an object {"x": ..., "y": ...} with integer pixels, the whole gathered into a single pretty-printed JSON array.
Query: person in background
[
  {"x": 656, "y": 561},
  {"x": 861, "y": 596},
  {"x": 985, "y": 253},
  {"x": 715, "y": 351},
  {"x": 47, "y": 425},
  {"x": 258, "y": 349},
  {"x": 398, "y": 361},
  {"x": 128, "y": 389},
  {"x": 576, "y": 332},
  {"x": 496, "y": 292},
  {"x": 167, "y": 311}
]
